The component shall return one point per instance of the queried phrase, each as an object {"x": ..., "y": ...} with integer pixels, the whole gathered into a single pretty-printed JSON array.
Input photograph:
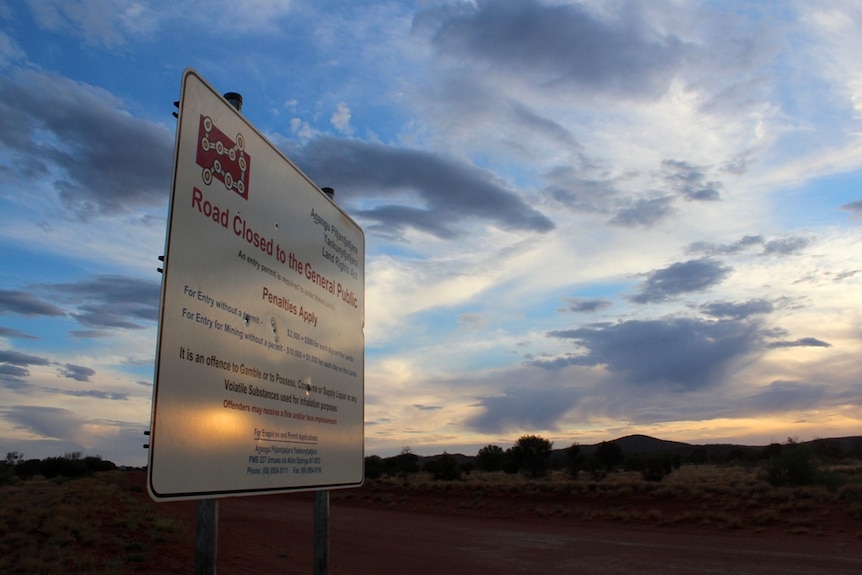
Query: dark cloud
[
  {"x": 99, "y": 158},
  {"x": 417, "y": 189},
  {"x": 76, "y": 372},
  {"x": 53, "y": 422},
  {"x": 689, "y": 181},
  {"x": 530, "y": 407},
  {"x": 712, "y": 249},
  {"x": 682, "y": 353},
  {"x": 25, "y": 303},
  {"x": 566, "y": 47},
  {"x": 13, "y": 376},
  {"x": 853, "y": 207},
  {"x": 15, "y": 333},
  {"x": 97, "y": 394},
  {"x": 786, "y": 395},
  {"x": 13, "y": 367},
  {"x": 579, "y": 305},
  {"x": 18, "y": 358},
  {"x": 777, "y": 247},
  {"x": 681, "y": 278},
  {"x": 643, "y": 212},
  {"x": 801, "y": 342},
  {"x": 569, "y": 186},
  {"x": 731, "y": 310},
  {"x": 785, "y": 247},
  {"x": 845, "y": 275},
  {"x": 110, "y": 301},
  {"x": 427, "y": 407}
]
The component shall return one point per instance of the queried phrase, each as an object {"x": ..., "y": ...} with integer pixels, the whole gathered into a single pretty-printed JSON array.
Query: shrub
[
  {"x": 531, "y": 453},
  {"x": 796, "y": 465},
  {"x": 374, "y": 467},
  {"x": 403, "y": 463},
  {"x": 657, "y": 467},
  {"x": 610, "y": 455},
  {"x": 443, "y": 468},
  {"x": 574, "y": 461},
  {"x": 490, "y": 458}
]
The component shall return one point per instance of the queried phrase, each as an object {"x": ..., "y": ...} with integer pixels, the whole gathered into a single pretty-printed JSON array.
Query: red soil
[{"x": 384, "y": 528}]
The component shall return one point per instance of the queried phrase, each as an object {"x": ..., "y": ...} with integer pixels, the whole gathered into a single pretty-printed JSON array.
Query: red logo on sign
[{"x": 222, "y": 158}]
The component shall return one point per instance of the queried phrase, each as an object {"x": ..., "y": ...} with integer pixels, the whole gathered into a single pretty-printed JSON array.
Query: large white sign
[{"x": 260, "y": 359}]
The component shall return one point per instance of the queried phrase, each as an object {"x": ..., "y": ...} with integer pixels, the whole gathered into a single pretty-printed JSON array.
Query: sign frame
[{"x": 259, "y": 375}]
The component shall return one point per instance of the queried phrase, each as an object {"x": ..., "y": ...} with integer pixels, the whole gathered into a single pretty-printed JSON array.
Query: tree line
[
  {"x": 790, "y": 463},
  {"x": 70, "y": 465}
]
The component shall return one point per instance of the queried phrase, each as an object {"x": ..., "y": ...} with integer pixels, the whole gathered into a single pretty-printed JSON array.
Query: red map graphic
[{"x": 222, "y": 158}]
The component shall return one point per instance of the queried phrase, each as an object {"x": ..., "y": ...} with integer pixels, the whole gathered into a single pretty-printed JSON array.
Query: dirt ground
[{"x": 382, "y": 529}]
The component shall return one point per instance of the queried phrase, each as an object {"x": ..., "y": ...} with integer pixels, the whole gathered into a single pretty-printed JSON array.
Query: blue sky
[{"x": 583, "y": 219}]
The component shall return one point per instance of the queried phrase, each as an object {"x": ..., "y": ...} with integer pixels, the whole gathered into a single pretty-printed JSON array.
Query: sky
[{"x": 583, "y": 220}]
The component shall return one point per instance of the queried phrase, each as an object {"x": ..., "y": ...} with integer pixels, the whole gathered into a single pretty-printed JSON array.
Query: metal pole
[
  {"x": 206, "y": 537},
  {"x": 321, "y": 532},
  {"x": 321, "y": 503}
]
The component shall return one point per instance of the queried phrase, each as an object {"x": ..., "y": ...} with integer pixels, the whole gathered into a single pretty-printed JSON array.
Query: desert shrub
[
  {"x": 402, "y": 464},
  {"x": 444, "y": 468},
  {"x": 532, "y": 453},
  {"x": 7, "y": 474},
  {"x": 798, "y": 465},
  {"x": 374, "y": 467},
  {"x": 574, "y": 461},
  {"x": 610, "y": 455},
  {"x": 657, "y": 467},
  {"x": 596, "y": 470},
  {"x": 490, "y": 458}
]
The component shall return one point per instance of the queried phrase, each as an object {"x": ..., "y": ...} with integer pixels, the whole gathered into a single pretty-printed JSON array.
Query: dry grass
[
  {"x": 91, "y": 525},
  {"x": 723, "y": 497}
]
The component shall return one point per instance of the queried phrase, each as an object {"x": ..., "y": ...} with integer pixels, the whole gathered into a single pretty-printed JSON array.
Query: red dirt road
[{"x": 273, "y": 534}]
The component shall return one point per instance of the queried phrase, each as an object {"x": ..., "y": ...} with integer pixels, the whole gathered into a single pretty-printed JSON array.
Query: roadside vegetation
[
  {"x": 810, "y": 488},
  {"x": 75, "y": 515}
]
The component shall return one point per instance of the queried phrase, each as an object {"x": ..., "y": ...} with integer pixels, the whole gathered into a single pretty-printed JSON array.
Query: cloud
[
  {"x": 13, "y": 367},
  {"x": 681, "y": 278},
  {"x": 25, "y": 303},
  {"x": 78, "y": 138},
  {"x": 855, "y": 207},
  {"x": 446, "y": 190},
  {"x": 785, "y": 396},
  {"x": 801, "y": 342},
  {"x": 111, "y": 301},
  {"x": 562, "y": 47},
  {"x": 643, "y": 212},
  {"x": 579, "y": 305},
  {"x": 778, "y": 247},
  {"x": 682, "y": 353},
  {"x": 341, "y": 119},
  {"x": 77, "y": 372},
  {"x": 15, "y": 333},
  {"x": 731, "y": 310},
  {"x": 18, "y": 358},
  {"x": 427, "y": 407},
  {"x": 532, "y": 407},
  {"x": 97, "y": 394},
  {"x": 689, "y": 181},
  {"x": 712, "y": 249},
  {"x": 786, "y": 246}
]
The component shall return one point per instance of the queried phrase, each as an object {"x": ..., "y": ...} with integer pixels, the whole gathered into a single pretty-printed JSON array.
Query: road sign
[{"x": 259, "y": 384}]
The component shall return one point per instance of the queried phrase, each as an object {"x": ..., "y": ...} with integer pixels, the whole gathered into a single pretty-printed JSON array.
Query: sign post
[{"x": 259, "y": 383}]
